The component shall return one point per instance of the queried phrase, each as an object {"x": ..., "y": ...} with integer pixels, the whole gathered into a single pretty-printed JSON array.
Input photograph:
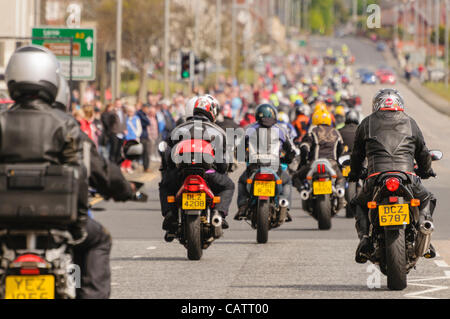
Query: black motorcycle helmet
[
  {"x": 266, "y": 115},
  {"x": 352, "y": 117}
]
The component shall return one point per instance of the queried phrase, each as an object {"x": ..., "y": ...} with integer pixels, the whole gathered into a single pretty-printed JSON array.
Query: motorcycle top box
[{"x": 38, "y": 193}]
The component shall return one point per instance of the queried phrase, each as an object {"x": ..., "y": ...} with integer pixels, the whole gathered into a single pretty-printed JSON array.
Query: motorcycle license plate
[
  {"x": 346, "y": 171},
  {"x": 393, "y": 215},
  {"x": 194, "y": 201},
  {"x": 30, "y": 287},
  {"x": 263, "y": 188},
  {"x": 322, "y": 188}
]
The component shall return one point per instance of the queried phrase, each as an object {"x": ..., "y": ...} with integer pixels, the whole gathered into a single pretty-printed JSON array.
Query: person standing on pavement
[
  {"x": 133, "y": 132},
  {"x": 145, "y": 123},
  {"x": 116, "y": 126},
  {"x": 153, "y": 133}
]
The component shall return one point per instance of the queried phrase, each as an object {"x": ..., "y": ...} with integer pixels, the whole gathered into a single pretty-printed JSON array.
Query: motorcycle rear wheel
[
  {"x": 395, "y": 259},
  {"x": 262, "y": 222},
  {"x": 322, "y": 209},
  {"x": 193, "y": 237}
]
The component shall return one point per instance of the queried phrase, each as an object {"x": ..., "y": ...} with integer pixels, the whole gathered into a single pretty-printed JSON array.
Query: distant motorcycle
[
  {"x": 266, "y": 210},
  {"x": 320, "y": 198},
  {"x": 351, "y": 188},
  {"x": 400, "y": 237},
  {"x": 198, "y": 227}
]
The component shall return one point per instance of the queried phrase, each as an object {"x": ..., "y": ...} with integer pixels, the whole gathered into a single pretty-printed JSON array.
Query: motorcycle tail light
[
  {"x": 194, "y": 181},
  {"x": 29, "y": 258},
  {"x": 264, "y": 177},
  {"x": 29, "y": 271},
  {"x": 193, "y": 188},
  {"x": 392, "y": 184},
  {"x": 249, "y": 181}
]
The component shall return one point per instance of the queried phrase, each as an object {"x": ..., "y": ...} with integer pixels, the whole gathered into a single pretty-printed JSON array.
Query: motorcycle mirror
[
  {"x": 162, "y": 147},
  {"x": 343, "y": 159},
  {"x": 436, "y": 155}
]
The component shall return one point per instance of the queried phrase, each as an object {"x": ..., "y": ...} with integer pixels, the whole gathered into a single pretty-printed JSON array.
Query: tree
[{"x": 142, "y": 27}]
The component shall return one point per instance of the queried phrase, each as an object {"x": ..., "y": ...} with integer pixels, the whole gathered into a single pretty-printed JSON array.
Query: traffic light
[{"x": 185, "y": 66}]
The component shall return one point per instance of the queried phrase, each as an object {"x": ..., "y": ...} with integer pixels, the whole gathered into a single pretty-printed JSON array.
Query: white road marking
[
  {"x": 441, "y": 263},
  {"x": 114, "y": 284},
  {"x": 151, "y": 248},
  {"x": 433, "y": 288},
  {"x": 419, "y": 294},
  {"x": 136, "y": 257}
]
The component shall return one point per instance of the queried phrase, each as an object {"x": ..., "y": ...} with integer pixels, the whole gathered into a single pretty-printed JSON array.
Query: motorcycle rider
[
  {"x": 348, "y": 132},
  {"x": 391, "y": 140},
  {"x": 32, "y": 132},
  {"x": 301, "y": 121},
  {"x": 266, "y": 117},
  {"x": 322, "y": 141},
  {"x": 203, "y": 120}
]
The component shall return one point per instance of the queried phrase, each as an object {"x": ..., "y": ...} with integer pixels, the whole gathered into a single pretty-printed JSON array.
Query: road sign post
[{"x": 83, "y": 49}]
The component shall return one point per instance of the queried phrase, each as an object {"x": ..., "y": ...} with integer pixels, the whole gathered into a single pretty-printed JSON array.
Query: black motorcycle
[{"x": 398, "y": 234}]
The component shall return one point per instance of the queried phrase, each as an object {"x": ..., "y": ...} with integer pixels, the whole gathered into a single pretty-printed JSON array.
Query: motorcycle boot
[
  {"x": 242, "y": 213},
  {"x": 365, "y": 247}
]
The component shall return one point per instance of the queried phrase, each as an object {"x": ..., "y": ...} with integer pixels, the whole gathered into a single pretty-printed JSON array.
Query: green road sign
[{"x": 84, "y": 62}]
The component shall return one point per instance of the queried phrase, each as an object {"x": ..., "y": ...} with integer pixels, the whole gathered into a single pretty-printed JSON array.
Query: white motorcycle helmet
[{"x": 33, "y": 70}]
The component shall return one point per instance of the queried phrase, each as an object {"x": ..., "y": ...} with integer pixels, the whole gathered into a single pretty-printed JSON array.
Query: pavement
[{"x": 299, "y": 261}]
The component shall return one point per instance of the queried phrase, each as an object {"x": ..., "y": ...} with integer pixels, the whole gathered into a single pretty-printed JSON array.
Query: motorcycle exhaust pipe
[
  {"x": 340, "y": 192},
  {"x": 426, "y": 228},
  {"x": 304, "y": 194},
  {"x": 284, "y": 203},
  {"x": 216, "y": 220}
]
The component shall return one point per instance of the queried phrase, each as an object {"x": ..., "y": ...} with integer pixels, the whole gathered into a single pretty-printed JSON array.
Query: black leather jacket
[
  {"x": 348, "y": 133},
  {"x": 199, "y": 127},
  {"x": 33, "y": 132},
  {"x": 390, "y": 141}
]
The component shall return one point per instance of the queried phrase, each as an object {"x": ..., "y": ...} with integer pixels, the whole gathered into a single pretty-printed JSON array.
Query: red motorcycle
[{"x": 198, "y": 224}]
